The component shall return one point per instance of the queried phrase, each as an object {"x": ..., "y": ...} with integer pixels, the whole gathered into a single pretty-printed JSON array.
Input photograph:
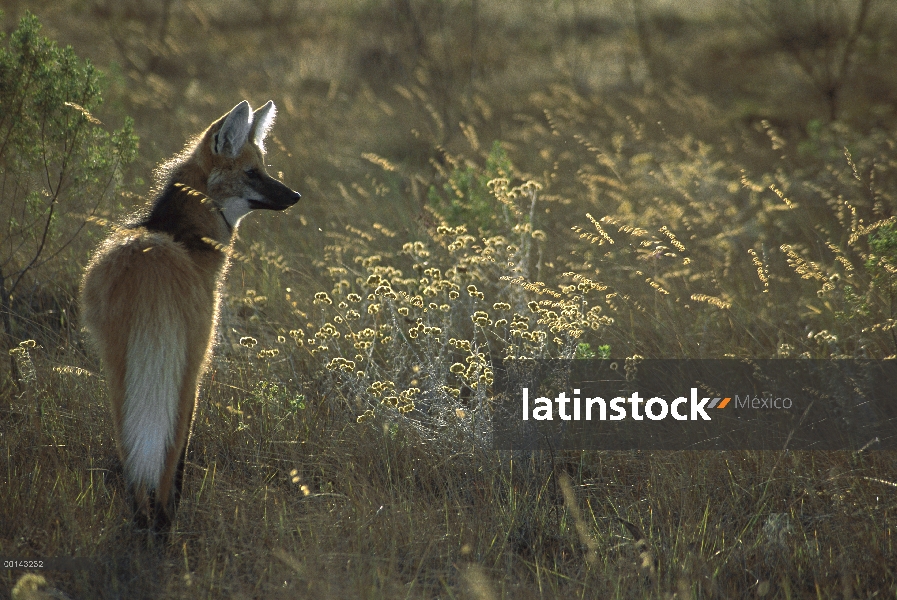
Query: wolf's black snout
[{"x": 291, "y": 197}]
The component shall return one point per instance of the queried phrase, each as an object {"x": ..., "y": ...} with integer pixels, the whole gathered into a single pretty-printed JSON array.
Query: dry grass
[
  {"x": 338, "y": 450},
  {"x": 283, "y": 502}
]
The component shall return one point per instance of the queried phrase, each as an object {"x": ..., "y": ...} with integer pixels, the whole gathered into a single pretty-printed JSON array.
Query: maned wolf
[{"x": 150, "y": 298}]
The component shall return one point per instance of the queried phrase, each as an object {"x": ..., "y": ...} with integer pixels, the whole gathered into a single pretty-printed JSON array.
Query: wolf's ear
[
  {"x": 234, "y": 131},
  {"x": 262, "y": 120}
]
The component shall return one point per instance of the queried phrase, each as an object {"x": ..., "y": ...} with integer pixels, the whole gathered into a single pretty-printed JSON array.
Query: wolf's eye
[{"x": 253, "y": 174}]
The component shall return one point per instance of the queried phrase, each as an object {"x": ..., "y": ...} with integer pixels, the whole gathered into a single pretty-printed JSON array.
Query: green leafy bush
[
  {"x": 464, "y": 196},
  {"x": 57, "y": 161}
]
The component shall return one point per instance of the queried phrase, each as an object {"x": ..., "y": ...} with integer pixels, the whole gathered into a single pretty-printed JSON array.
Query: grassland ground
[{"x": 481, "y": 180}]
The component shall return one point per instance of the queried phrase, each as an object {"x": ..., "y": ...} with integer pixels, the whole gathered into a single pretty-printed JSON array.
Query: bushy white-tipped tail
[{"x": 156, "y": 359}]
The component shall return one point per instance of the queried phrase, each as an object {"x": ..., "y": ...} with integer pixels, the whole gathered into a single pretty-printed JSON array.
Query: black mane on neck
[{"x": 181, "y": 213}]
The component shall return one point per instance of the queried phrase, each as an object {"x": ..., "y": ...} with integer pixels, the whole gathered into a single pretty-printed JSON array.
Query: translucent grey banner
[{"x": 696, "y": 405}]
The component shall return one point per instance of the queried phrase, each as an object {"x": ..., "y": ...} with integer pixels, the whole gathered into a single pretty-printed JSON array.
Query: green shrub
[
  {"x": 465, "y": 198},
  {"x": 57, "y": 162}
]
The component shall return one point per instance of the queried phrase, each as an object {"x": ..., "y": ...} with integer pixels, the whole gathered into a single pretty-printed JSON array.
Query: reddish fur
[
  {"x": 130, "y": 272},
  {"x": 138, "y": 272}
]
